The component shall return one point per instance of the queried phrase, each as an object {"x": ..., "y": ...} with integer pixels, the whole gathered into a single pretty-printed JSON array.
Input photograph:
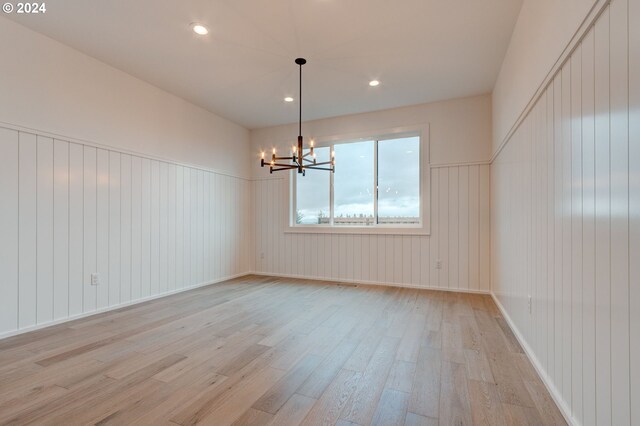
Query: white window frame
[{"x": 422, "y": 228}]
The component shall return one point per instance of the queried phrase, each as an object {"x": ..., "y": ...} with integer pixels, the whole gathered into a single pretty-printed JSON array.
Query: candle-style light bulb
[
  {"x": 262, "y": 155},
  {"x": 333, "y": 154},
  {"x": 274, "y": 150},
  {"x": 311, "y": 143}
]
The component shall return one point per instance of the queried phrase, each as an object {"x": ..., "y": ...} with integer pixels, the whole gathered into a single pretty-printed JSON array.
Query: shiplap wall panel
[
  {"x": 463, "y": 228},
  {"x": 163, "y": 183},
  {"x": 550, "y": 226},
  {"x": 566, "y": 185},
  {"x": 588, "y": 230},
  {"x": 557, "y": 237},
  {"x": 199, "y": 226},
  {"x": 634, "y": 205},
  {"x": 458, "y": 215},
  {"x": 89, "y": 231},
  {"x": 115, "y": 213},
  {"x": 603, "y": 222},
  {"x": 223, "y": 215},
  {"x": 454, "y": 227},
  {"x": 434, "y": 248},
  {"x": 484, "y": 227},
  {"x": 103, "y": 214},
  {"x": 382, "y": 256},
  {"x": 576, "y": 232},
  {"x": 188, "y": 221},
  {"x": 44, "y": 230},
  {"x": 180, "y": 277},
  {"x": 9, "y": 223},
  {"x": 69, "y": 210},
  {"x": 565, "y": 226},
  {"x": 171, "y": 228},
  {"x": 619, "y": 103},
  {"x": 126, "y": 235},
  {"x": 474, "y": 228},
  {"x": 206, "y": 222},
  {"x": 218, "y": 220},
  {"x": 443, "y": 218},
  {"x": 154, "y": 287},
  {"x": 27, "y": 184},
  {"x": 60, "y": 229},
  {"x": 136, "y": 227},
  {"x": 76, "y": 229}
]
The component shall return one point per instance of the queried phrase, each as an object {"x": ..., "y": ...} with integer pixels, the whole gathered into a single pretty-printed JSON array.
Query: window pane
[
  {"x": 353, "y": 184},
  {"x": 399, "y": 181},
  {"x": 312, "y": 193}
]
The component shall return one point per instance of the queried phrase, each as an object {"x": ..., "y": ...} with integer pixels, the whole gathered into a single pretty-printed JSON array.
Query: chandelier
[{"x": 299, "y": 159}]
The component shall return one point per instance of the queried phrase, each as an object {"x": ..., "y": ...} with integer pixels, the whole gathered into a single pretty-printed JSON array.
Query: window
[
  {"x": 352, "y": 185},
  {"x": 313, "y": 195},
  {"x": 377, "y": 183},
  {"x": 398, "y": 181}
]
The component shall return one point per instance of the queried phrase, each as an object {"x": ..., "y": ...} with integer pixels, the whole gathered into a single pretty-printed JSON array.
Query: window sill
[{"x": 357, "y": 230}]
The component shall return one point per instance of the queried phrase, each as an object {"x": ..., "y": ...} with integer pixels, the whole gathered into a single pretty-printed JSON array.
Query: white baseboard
[
  {"x": 113, "y": 308},
  {"x": 378, "y": 283},
  {"x": 553, "y": 391}
]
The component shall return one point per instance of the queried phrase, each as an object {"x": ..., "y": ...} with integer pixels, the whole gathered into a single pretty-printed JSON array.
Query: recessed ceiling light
[
  {"x": 200, "y": 29},
  {"x": 288, "y": 99},
  {"x": 374, "y": 83}
]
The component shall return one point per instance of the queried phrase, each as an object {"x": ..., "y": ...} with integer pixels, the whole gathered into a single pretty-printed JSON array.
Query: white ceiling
[{"x": 420, "y": 50}]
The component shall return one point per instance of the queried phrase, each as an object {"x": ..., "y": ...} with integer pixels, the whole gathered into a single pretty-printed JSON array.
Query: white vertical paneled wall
[
  {"x": 459, "y": 238},
  {"x": 147, "y": 227},
  {"x": 566, "y": 225}
]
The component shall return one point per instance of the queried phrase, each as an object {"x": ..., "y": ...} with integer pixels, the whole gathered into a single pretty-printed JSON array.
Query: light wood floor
[{"x": 260, "y": 350}]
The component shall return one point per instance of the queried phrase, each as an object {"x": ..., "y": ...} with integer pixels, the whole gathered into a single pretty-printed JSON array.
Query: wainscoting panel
[
  {"x": 565, "y": 224},
  {"x": 147, "y": 227},
  {"x": 460, "y": 238}
]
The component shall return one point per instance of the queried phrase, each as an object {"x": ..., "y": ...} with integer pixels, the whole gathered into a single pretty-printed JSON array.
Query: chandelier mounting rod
[{"x": 300, "y": 62}]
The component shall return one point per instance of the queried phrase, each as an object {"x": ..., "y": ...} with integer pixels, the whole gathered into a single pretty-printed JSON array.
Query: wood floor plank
[
  {"x": 253, "y": 417},
  {"x": 401, "y": 376},
  {"x": 515, "y": 392},
  {"x": 324, "y": 374},
  {"x": 327, "y": 410},
  {"x": 521, "y": 416},
  {"x": 548, "y": 410},
  {"x": 425, "y": 395},
  {"x": 478, "y": 367},
  {"x": 414, "y": 419},
  {"x": 486, "y": 408},
  {"x": 410, "y": 344},
  {"x": 272, "y": 400},
  {"x": 293, "y": 411},
  {"x": 230, "y": 405},
  {"x": 455, "y": 407},
  {"x": 361, "y": 406},
  {"x": 264, "y": 350},
  {"x": 392, "y": 408}
]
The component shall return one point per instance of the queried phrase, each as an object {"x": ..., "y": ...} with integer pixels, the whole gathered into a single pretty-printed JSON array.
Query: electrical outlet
[
  {"x": 529, "y": 302},
  {"x": 438, "y": 264},
  {"x": 95, "y": 278}
]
